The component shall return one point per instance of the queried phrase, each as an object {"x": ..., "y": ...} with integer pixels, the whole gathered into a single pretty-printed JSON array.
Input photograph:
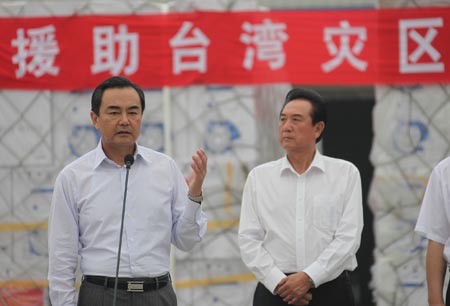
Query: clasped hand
[{"x": 294, "y": 289}]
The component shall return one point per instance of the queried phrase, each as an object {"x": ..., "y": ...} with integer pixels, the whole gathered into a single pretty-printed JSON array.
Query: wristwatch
[
  {"x": 197, "y": 199},
  {"x": 311, "y": 282}
]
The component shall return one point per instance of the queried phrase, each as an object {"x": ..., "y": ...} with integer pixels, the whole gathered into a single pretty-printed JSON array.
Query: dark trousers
[
  {"x": 336, "y": 292},
  {"x": 96, "y": 295}
]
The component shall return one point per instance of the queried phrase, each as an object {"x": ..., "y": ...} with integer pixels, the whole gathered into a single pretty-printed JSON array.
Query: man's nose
[
  {"x": 287, "y": 126},
  {"x": 124, "y": 120}
]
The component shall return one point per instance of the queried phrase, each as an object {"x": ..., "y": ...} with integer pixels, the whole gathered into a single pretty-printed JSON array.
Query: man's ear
[
  {"x": 94, "y": 119},
  {"x": 319, "y": 127}
]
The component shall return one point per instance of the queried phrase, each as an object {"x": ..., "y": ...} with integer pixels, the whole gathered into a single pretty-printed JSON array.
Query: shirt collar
[
  {"x": 100, "y": 155},
  {"x": 317, "y": 163},
  {"x": 141, "y": 154}
]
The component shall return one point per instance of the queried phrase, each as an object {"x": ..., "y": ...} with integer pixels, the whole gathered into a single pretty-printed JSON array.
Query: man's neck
[
  {"x": 301, "y": 161},
  {"x": 117, "y": 154}
]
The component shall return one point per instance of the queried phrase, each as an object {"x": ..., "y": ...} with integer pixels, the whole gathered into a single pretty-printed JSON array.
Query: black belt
[{"x": 130, "y": 284}]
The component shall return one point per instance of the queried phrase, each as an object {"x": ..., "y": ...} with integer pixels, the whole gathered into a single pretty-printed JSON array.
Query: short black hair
[
  {"x": 319, "y": 112},
  {"x": 113, "y": 82}
]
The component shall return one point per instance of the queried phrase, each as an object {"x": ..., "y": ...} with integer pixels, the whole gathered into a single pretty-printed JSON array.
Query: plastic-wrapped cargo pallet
[{"x": 411, "y": 135}]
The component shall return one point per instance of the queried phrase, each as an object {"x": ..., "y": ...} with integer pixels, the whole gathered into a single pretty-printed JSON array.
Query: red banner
[{"x": 343, "y": 47}]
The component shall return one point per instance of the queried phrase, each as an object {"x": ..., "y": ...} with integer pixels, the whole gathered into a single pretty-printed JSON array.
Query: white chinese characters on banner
[
  {"x": 409, "y": 61},
  {"x": 345, "y": 51},
  {"x": 189, "y": 49},
  {"x": 115, "y": 52},
  {"x": 36, "y": 51},
  {"x": 267, "y": 38}
]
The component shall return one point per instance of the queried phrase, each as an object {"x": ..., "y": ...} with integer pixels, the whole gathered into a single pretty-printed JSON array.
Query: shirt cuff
[
  {"x": 192, "y": 211},
  {"x": 272, "y": 279},
  {"x": 316, "y": 273}
]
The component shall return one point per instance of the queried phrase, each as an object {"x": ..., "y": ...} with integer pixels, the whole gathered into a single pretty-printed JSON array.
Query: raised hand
[{"x": 198, "y": 166}]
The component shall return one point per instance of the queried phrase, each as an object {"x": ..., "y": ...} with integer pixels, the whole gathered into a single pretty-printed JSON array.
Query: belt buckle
[{"x": 135, "y": 286}]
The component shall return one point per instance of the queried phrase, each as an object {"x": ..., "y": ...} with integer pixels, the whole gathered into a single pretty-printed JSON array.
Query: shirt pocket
[{"x": 327, "y": 211}]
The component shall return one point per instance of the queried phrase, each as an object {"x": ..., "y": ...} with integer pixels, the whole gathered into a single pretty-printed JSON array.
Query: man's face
[
  {"x": 119, "y": 119},
  {"x": 296, "y": 132}
]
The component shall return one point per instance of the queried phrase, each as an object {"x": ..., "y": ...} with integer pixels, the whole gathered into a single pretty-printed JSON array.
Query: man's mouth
[{"x": 123, "y": 133}]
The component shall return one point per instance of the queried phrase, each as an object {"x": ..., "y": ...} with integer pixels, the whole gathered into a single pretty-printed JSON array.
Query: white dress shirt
[
  {"x": 434, "y": 217},
  {"x": 86, "y": 214},
  {"x": 310, "y": 222}
]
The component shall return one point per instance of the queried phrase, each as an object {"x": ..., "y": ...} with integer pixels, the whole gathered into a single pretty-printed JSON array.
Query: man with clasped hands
[{"x": 302, "y": 217}]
